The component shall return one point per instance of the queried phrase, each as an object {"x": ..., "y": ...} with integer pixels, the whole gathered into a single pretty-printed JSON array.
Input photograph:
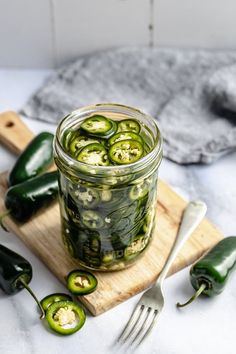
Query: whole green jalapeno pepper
[
  {"x": 35, "y": 159},
  {"x": 15, "y": 274},
  {"x": 210, "y": 274},
  {"x": 25, "y": 199}
]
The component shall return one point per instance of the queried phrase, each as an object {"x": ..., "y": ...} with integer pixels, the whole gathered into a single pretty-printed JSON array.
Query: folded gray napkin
[{"x": 191, "y": 93}]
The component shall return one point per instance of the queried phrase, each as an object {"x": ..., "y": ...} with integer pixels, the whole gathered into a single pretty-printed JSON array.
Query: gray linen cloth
[{"x": 192, "y": 93}]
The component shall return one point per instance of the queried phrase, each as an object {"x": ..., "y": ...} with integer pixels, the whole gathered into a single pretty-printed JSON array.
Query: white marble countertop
[{"x": 208, "y": 326}]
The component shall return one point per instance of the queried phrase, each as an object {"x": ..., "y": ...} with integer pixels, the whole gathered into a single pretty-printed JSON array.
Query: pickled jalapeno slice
[
  {"x": 99, "y": 126},
  {"x": 68, "y": 137},
  {"x": 68, "y": 244},
  {"x": 79, "y": 142},
  {"x": 125, "y": 151},
  {"x": 92, "y": 219},
  {"x": 94, "y": 154},
  {"x": 135, "y": 246},
  {"x": 50, "y": 299},
  {"x": 80, "y": 282},
  {"x": 88, "y": 197},
  {"x": 124, "y": 136},
  {"x": 139, "y": 191},
  {"x": 129, "y": 125},
  {"x": 65, "y": 317}
]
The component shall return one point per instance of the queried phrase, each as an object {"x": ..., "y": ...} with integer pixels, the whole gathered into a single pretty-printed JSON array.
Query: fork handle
[{"x": 193, "y": 214}]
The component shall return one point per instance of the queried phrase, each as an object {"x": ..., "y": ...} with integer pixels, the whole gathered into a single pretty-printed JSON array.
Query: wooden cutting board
[{"x": 42, "y": 235}]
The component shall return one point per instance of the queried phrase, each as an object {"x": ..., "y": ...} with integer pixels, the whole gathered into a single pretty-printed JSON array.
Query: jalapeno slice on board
[
  {"x": 50, "y": 299},
  {"x": 129, "y": 125},
  {"x": 124, "y": 136},
  {"x": 94, "y": 154},
  {"x": 80, "y": 282},
  {"x": 125, "y": 152},
  {"x": 65, "y": 317}
]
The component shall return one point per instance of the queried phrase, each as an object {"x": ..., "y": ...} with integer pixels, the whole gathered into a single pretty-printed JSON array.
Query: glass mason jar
[{"x": 108, "y": 212}]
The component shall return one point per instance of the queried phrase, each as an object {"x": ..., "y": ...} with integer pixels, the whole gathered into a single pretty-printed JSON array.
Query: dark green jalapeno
[
  {"x": 15, "y": 274},
  {"x": 211, "y": 273},
  {"x": 65, "y": 317},
  {"x": 35, "y": 159},
  {"x": 25, "y": 199}
]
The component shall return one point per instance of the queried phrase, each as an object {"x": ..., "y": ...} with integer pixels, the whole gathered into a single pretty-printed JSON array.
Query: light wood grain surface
[{"x": 42, "y": 235}]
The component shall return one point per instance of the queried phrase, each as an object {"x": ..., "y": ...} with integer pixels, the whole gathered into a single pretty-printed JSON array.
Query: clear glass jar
[{"x": 108, "y": 212}]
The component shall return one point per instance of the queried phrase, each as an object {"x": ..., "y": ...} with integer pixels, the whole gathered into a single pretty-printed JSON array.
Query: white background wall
[{"x": 47, "y": 33}]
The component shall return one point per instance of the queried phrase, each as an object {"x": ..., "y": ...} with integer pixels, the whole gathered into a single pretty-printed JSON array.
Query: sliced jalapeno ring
[
  {"x": 137, "y": 244},
  {"x": 88, "y": 197},
  {"x": 67, "y": 138},
  {"x": 125, "y": 152},
  {"x": 79, "y": 142},
  {"x": 94, "y": 154},
  {"x": 68, "y": 243},
  {"x": 125, "y": 136},
  {"x": 92, "y": 219},
  {"x": 97, "y": 125},
  {"x": 139, "y": 191},
  {"x": 129, "y": 125},
  {"x": 65, "y": 317},
  {"x": 113, "y": 130},
  {"x": 50, "y": 299},
  {"x": 80, "y": 282}
]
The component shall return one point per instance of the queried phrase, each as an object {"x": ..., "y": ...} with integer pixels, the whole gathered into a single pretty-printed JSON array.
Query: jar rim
[{"x": 99, "y": 107}]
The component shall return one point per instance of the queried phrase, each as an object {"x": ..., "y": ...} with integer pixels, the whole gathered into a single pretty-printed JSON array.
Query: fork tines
[{"x": 139, "y": 325}]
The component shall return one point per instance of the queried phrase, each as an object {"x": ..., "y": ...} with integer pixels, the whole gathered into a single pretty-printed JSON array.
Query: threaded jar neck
[{"x": 73, "y": 168}]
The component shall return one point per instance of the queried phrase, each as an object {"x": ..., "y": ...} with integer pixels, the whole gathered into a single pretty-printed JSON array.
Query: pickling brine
[{"x": 108, "y": 157}]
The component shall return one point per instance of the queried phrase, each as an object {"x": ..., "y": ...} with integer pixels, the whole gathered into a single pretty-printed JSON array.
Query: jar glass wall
[{"x": 108, "y": 212}]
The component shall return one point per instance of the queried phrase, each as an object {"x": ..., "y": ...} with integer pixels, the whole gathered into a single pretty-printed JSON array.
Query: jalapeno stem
[
  {"x": 26, "y": 286},
  {"x": 2, "y": 216},
  {"x": 194, "y": 297}
]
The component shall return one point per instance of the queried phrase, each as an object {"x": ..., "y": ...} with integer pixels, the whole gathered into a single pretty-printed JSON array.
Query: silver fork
[{"x": 151, "y": 303}]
